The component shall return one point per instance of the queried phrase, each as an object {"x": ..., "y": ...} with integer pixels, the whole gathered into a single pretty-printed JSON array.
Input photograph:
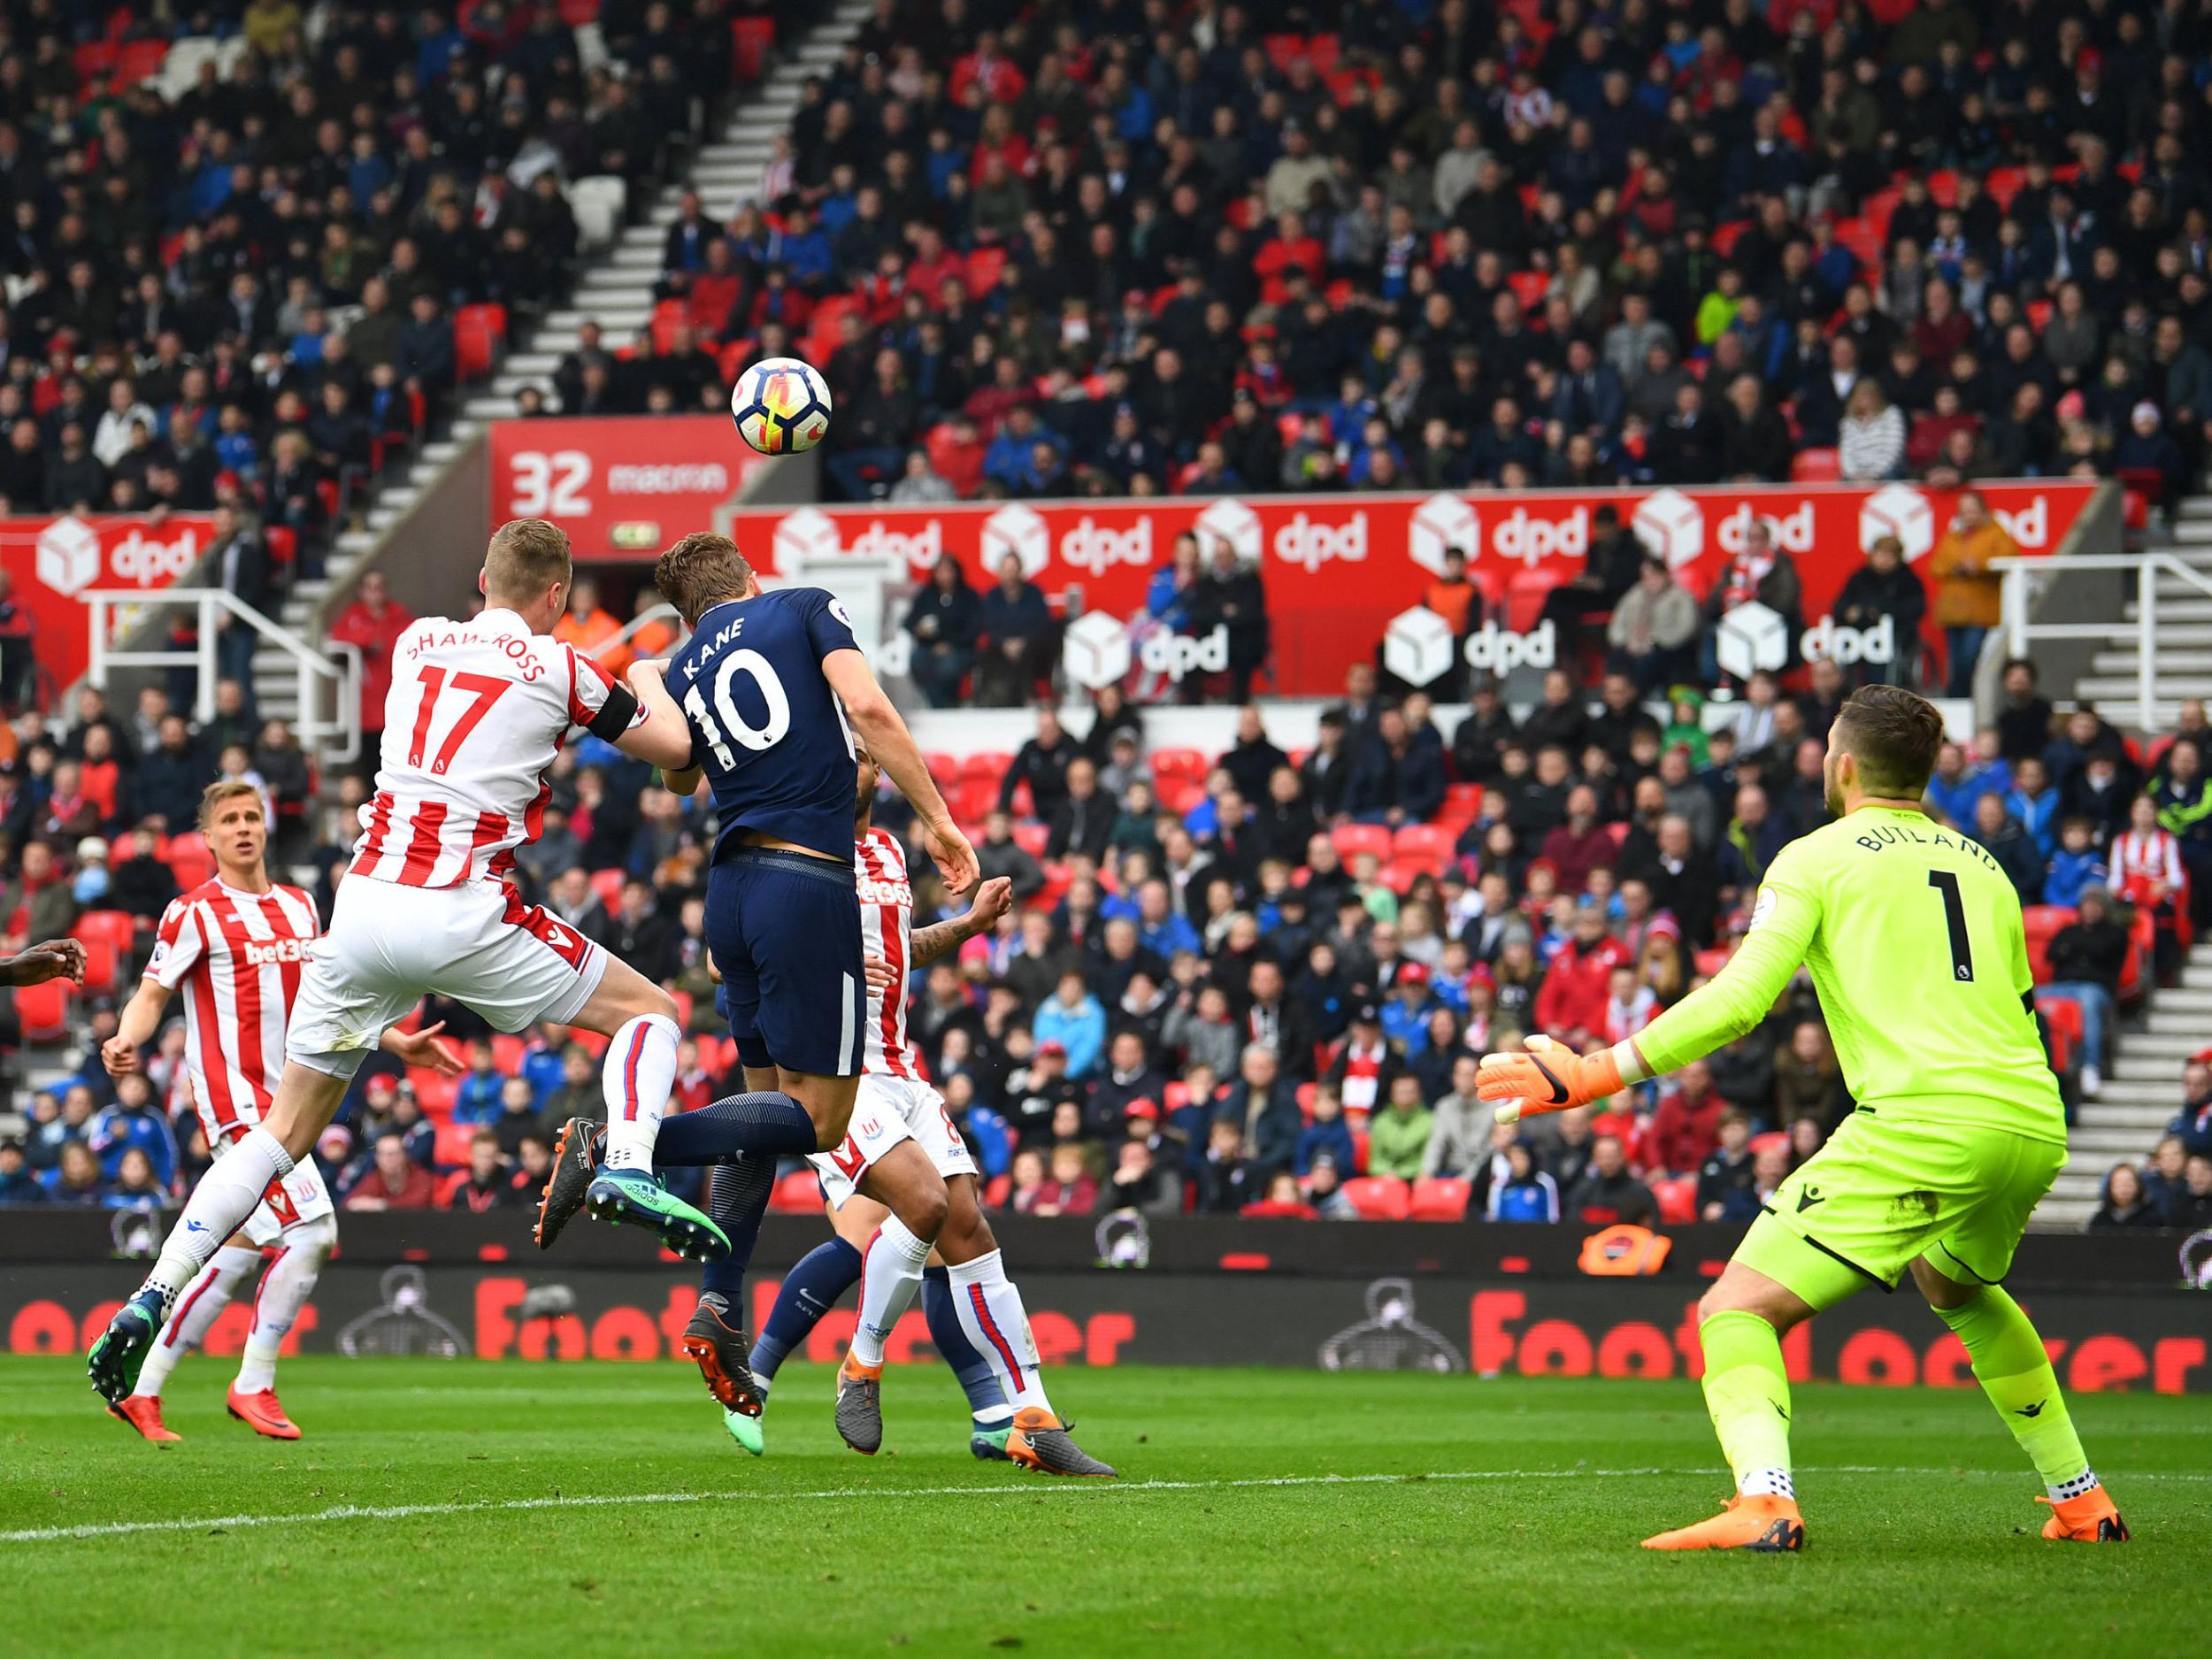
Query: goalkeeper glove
[{"x": 1547, "y": 1079}]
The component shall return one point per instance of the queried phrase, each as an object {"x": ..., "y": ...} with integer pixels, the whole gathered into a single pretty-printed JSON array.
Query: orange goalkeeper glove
[{"x": 1547, "y": 1079}]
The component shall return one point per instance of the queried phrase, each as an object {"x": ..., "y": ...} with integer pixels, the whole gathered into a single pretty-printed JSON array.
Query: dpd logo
[
  {"x": 146, "y": 561},
  {"x": 1180, "y": 655},
  {"x": 1095, "y": 548},
  {"x": 1309, "y": 545},
  {"x": 68, "y": 554},
  {"x": 1494, "y": 650}
]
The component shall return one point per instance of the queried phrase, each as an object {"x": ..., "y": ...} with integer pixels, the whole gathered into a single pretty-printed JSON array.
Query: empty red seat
[
  {"x": 1354, "y": 839},
  {"x": 1031, "y": 839},
  {"x": 608, "y": 885},
  {"x": 1677, "y": 1200},
  {"x": 1379, "y": 1197},
  {"x": 751, "y": 39},
  {"x": 101, "y": 968},
  {"x": 1422, "y": 843},
  {"x": 2063, "y": 1014},
  {"x": 1816, "y": 466},
  {"x": 1178, "y": 765},
  {"x": 119, "y": 928},
  {"x": 1440, "y": 1198},
  {"x": 798, "y": 1193},
  {"x": 479, "y": 331},
  {"x": 433, "y": 1092},
  {"x": 450, "y": 1150},
  {"x": 42, "y": 1010},
  {"x": 1524, "y": 595},
  {"x": 986, "y": 763}
]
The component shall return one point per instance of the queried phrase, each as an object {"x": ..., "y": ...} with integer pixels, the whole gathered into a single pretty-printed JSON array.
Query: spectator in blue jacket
[
  {"x": 2076, "y": 864},
  {"x": 1405, "y": 1013},
  {"x": 18, "y": 1184},
  {"x": 476, "y": 1097},
  {"x": 1527, "y": 1193},
  {"x": 1327, "y": 1136},
  {"x": 134, "y": 1123},
  {"x": 1394, "y": 780},
  {"x": 1161, "y": 928},
  {"x": 1073, "y": 1018}
]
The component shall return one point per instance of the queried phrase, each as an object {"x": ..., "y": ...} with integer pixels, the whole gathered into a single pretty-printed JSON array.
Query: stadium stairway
[
  {"x": 2184, "y": 657},
  {"x": 2141, "y": 1094},
  {"x": 614, "y": 290}
]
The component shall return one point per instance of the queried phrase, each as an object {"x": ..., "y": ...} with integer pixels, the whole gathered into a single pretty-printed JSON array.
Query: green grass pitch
[{"x": 574, "y": 1508}]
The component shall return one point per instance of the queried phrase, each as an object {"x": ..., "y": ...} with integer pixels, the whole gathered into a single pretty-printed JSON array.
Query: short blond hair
[
  {"x": 527, "y": 556},
  {"x": 700, "y": 572},
  {"x": 226, "y": 790}
]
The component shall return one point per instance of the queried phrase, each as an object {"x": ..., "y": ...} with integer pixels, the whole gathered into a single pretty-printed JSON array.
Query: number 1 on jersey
[
  {"x": 483, "y": 691},
  {"x": 1946, "y": 883}
]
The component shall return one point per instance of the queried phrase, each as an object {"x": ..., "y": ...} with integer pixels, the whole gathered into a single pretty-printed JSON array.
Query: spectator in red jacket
[
  {"x": 1685, "y": 1128},
  {"x": 397, "y": 1182},
  {"x": 373, "y": 623},
  {"x": 1571, "y": 1004},
  {"x": 1581, "y": 844}
]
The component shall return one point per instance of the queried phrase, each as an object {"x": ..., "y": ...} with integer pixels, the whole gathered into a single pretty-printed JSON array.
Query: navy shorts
[{"x": 785, "y": 931}]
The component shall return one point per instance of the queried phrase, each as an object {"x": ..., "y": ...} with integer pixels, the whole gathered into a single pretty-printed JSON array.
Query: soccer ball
[{"x": 781, "y": 406}]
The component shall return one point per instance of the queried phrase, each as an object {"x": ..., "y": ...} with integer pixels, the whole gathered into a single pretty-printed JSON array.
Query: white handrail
[
  {"x": 636, "y": 625},
  {"x": 313, "y": 667},
  {"x": 2018, "y": 593}
]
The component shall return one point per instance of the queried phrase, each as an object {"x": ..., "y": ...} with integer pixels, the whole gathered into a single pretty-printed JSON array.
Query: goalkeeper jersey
[{"x": 1912, "y": 934}]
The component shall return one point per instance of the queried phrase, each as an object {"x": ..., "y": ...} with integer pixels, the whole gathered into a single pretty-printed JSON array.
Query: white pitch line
[{"x": 412, "y": 1511}]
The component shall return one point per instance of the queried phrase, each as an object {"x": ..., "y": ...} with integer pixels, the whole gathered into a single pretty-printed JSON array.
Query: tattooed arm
[{"x": 992, "y": 900}]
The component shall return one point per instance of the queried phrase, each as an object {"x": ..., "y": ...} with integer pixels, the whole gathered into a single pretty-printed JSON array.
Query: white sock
[
  {"x": 207, "y": 1296},
  {"x": 1766, "y": 1482},
  {"x": 639, "y": 1071},
  {"x": 284, "y": 1290},
  {"x": 890, "y": 1276},
  {"x": 223, "y": 1200},
  {"x": 2086, "y": 1481},
  {"x": 991, "y": 1313}
]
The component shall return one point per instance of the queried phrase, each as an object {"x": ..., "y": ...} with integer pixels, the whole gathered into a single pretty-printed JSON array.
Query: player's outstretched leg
[
  {"x": 206, "y": 1297},
  {"x": 904, "y": 1180},
  {"x": 988, "y": 1309},
  {"x": 1747, "y": 1396},
  {"x": 810, "y": 1290},
  {"x": 737, "y": 1198},
  {"x": 2016, "y": 1374},
  {"x": 576, "y": 1153},
  {"x": 225, "y": 1197},
  {"x": 285, "y": 1289},
  {"x": 990, "y": 1419}
]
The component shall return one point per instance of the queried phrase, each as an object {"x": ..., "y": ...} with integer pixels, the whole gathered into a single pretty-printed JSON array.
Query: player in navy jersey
[{"x": 773, "y": 687}]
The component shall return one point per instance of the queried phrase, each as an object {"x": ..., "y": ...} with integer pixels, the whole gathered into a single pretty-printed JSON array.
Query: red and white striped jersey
[
  {"x": 239, "y": 956},
  {"x": 477, "y": 712},
  {"x": 886, "y": 929}
]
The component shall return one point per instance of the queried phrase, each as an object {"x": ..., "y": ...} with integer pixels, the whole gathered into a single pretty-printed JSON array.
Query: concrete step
[{"x": 2194, "y": 507}]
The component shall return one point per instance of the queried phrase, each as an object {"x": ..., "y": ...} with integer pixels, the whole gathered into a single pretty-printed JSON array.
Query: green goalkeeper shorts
[{"x": 1888, "y": 1189}]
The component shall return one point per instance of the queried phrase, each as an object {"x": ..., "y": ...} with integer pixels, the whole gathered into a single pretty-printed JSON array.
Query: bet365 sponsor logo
[{"x": 272, "y": 952}]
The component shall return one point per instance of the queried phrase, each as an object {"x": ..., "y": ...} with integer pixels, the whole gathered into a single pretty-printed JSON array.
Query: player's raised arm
[
  {"x": 874, "y": 717},
  {"x": 648, "y": 680},
  {"x": 1549, "y": 1078},
  {"x": 659, "y": 736},
  {"x": 992, "y": 900}
]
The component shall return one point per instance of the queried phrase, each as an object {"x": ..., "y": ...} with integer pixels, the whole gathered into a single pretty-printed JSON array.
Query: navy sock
[
  {"x": 987, "y": 1401},
  {"x": 737, "y": 1198},
  {"x": 810, "y": 1290},
  {"x": 769, "y": 1123}
]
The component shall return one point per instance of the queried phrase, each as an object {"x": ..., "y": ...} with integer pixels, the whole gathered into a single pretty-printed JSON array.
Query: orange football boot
[
  {"x": 143, "y": 1412},
  {"x": 1764, "y": 1522},
  {"x": 1038, "y": 1441},
  {"x": 263, "y": 1415},
  {"x": 2090, "y": 1518}
]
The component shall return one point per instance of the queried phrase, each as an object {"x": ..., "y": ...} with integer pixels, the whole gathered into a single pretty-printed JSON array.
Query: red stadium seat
[
  {"x": 2064, "y": 1017},
  {"x": 1354, "y": 839},
  {"x": 1180, "y": 766},
  {"x": 1816, "y": 466},
  {"x": 189, "y": 860},
  {"x": 450, "y": 1150},
  {"x": 797, "y": 1194},
  {"x": 751, "y": 39},
  {"x": 1677, "y": 1200},
  {"x": 1379, "y": 1197},
  {"x": 118, "y": 929},
  {"x": 2041, "y": 922},
  {"x": 479, "y": 331},
  {"x": 1359, "y": 1149},
  {"x": 1425, "y": 844},
  {"x": 42, "y": 1011},
  {"x": 608, "y": 885},
  {"x": 1175, "y": 1097},
  {"x": 101, "y": 968},
  {"x": 1031, "y": 839},
  {"x": 1440, "y": 1198},
  {"x": 1525, "y": 592},
  {"x": 433, "y": 1092},
  {"x": 986, "y": 763},
  {"x": 1399, "y": 874},
  {"x": 506, "y": 1053}
]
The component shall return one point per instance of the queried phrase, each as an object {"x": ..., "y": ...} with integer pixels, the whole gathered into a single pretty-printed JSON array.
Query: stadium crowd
[
  {"x": 1319, "y": 247},
  {"x": 1251, "y": 981},
  {"x": 246, "y": 299}
]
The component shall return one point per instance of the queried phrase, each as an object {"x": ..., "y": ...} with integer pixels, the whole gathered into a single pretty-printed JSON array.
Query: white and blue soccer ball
[{"x": 781, "y": 406}]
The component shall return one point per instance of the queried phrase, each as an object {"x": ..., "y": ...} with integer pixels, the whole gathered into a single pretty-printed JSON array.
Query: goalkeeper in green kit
[{"x": 1912, "y": 937}]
